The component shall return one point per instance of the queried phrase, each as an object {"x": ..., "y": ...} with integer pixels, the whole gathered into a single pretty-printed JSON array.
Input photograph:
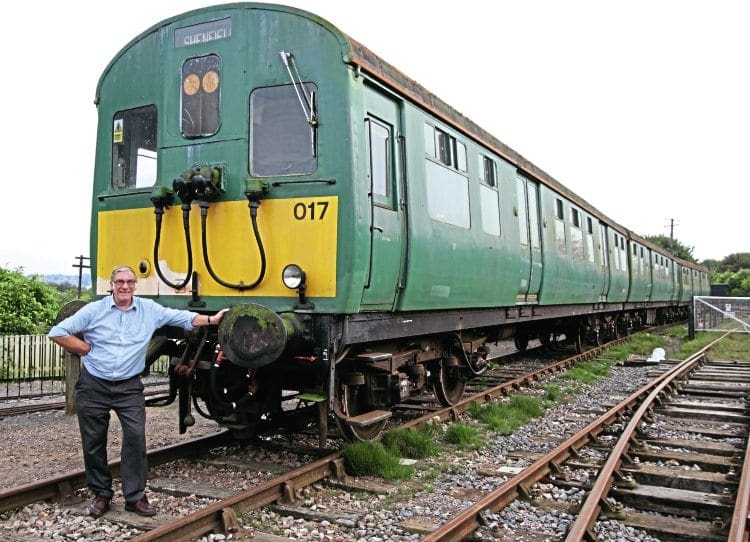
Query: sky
[{"x": 641, "y": 107}]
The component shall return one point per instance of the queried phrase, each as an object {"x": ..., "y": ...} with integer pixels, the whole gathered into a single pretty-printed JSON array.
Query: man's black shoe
[
  {"x": 142, "y": 507},
  {"x": 99, "y": 506}
]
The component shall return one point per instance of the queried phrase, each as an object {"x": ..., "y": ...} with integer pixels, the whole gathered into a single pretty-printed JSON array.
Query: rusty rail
[
  {"x": 469, "y": 520},
  {"x": 66, "y": 484},
  {"x": 591, "y": 507}
]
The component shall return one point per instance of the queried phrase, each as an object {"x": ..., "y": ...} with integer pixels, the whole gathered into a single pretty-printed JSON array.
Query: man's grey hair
[{"x": 120, "y": 269}]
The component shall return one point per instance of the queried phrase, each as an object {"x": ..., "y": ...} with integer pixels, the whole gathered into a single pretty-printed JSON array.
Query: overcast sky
[{"x": 641, "y": 107}]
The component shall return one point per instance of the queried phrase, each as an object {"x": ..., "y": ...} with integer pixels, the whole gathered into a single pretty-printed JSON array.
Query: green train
[{"x": 369, "y": 239}]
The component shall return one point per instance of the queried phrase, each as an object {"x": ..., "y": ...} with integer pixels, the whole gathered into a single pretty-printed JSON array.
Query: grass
[
  {"x": 506, "y": 417},
  {"x": 554, "y": 393},
  {"x": 415, "y": 444},
  {"x": 372, "y": 459},
  {"x": 735, "y": 347},
  {"x": 464, "y": 436},
  {"x": 640, "y": 345},
  {"x": 589, "y": 372}
]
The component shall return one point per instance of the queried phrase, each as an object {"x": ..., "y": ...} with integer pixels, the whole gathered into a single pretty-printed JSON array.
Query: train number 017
[{"x": 315, "y": 210}]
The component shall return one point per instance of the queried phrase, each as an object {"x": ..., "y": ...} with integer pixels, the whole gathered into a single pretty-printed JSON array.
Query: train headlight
[{"x": 292, "y": 276}]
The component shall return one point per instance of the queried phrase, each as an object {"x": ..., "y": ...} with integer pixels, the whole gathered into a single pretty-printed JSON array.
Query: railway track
[
  {"x": 221, "y": 514},
  {"x": 285, "y": 486},
  {"x": 697, "y": 494}
]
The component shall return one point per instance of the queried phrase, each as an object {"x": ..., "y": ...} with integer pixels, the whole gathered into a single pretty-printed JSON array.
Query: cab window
[
  {"x": 134, "y": 153},
  {"x": 281, "y": 140}
]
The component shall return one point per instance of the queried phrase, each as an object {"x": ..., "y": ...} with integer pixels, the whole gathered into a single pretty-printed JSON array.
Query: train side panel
[
  {"x": 573, "y": 272},
  {"x": 458, "y": 256}
]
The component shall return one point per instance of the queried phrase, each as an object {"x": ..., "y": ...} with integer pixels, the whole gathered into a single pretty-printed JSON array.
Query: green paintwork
[{"x": 415, "y": 262}]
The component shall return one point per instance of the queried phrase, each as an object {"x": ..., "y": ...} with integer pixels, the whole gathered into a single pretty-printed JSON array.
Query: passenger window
[
  {"x": 201, "y": 85},
  {"x": 281, "y": 140},
  {"x": 443, "y": 147},
  {"x": 134, "y": 150},
  {"x": 523, "y": 218},
  {"x": 429, "y": 140},
  {"x": 575, "y": 217},
  {"x": 559, "y": 209},
  {"x": 380, "y": 158},
  {"x": 487, "y": 170},
  {"x": 460, "y": 156}
]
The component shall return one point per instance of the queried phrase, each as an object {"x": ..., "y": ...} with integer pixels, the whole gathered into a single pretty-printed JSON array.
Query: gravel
[{"x": 36, "y": 446}]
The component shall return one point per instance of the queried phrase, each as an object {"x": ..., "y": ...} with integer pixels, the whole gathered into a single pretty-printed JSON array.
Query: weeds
[
  {"x": 464, "y": 436},
  {"x": 506, "y": 417},
  {"x": 372, "y": 459},
  {"x": 411, "y": 443},
  {"x": 589, "y": 372}
]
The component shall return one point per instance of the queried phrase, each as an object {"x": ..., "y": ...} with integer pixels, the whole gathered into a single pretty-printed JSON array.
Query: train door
[
  {"x": 604, "y": 259},
  {"x": 527, "y": 192},
  {"x": 384, "y": 163}
]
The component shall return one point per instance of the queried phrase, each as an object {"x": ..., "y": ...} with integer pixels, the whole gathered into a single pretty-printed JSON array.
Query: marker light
[{"x": 292, "y": 276}]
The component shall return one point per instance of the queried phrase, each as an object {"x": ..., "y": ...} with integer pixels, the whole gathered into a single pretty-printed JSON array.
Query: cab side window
[{"x": 134, "y": 148}]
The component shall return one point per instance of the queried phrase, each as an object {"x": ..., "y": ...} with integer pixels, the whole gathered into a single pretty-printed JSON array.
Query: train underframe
[{"x": 359, "y": 366}]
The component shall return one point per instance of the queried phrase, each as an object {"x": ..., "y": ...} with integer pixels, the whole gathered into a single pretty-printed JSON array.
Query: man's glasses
[{"x": 120, "y": 282}]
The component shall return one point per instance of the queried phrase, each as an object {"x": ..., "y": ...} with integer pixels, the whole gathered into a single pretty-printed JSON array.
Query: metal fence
[
  {"x": 722, "y": 313},
  {"x": 32, "y": 366}
]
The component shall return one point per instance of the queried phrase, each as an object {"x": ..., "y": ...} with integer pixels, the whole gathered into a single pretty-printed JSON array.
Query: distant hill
[{"x": 68, "y": 279}]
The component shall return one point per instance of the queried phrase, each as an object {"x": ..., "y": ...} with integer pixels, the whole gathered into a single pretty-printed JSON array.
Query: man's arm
[
  {"x": 71, "y": 343},
  {"x": 204, "y": 320}
]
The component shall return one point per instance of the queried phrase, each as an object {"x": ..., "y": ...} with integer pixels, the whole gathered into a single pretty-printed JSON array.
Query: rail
[{"x": 591, "y": 507}]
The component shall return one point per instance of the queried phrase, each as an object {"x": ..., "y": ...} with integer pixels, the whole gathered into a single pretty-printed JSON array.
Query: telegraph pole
[
  {"x": 672, "y": 224},
  {"x": 81, "y": 267}
]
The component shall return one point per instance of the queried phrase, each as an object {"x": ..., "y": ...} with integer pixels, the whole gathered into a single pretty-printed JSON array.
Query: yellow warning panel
[{"x": 301, "y": 231}]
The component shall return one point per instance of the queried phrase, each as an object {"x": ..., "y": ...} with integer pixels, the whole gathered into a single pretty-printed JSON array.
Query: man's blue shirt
[{"x": 119, "y": 338}]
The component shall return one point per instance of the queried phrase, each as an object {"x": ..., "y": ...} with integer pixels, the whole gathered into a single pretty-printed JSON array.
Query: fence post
[
  {"x": 72, "y": 363},
  {"x": 691, "y": 322}
]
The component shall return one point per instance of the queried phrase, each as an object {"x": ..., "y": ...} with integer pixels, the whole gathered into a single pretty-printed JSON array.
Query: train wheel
[
  {"x": 449, "y": 384},
  {"x": 576, "y": 338},
  {"x": 521, "y": 342},
  {"x": 599, "y": 336},
  {"x": 351, "y": 396}
]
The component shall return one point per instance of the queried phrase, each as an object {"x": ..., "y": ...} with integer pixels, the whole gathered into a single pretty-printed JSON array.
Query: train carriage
[{"x": 370, "y": 239}]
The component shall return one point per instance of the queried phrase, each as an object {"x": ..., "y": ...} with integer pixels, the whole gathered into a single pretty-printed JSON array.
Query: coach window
[
  {"x": 590, "y": 238},
  {"x": 490, "y": 198},
  {"x": 201, "y": 85},
  {"x": 379, "y": 138},
  {"x": 134, "y": 148},
  {"x": 560, "y": 226},
  {"x": 281, "y": 141},
  {"x": 576, "y": 235},
  {"x": 447, "y": 188},
  {"x": 523, "y": 217},
  {"x": 444, "y": 147},
  {"x": 429, "y": 140}
]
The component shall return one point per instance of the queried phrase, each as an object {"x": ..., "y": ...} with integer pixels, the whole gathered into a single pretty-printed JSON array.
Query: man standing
[{"x": 116, "y": 331}]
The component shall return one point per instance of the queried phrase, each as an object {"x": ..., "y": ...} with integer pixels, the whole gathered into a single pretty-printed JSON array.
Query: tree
[
  {"x": 734, "y": 262},
  {"x": 674, "y": 246},
  {"x": 27, "y": 305},
  {"x": 738, "y": 282},
  {"x": 66, "y": 292},
  {"x": 711, "y": 265}
]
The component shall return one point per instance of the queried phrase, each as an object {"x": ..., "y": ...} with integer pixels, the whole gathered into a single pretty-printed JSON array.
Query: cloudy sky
[{"x": 641, "y": 107}]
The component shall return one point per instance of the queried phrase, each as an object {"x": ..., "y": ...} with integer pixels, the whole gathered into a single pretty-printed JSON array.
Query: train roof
[{"x": 356, "y": 54}]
